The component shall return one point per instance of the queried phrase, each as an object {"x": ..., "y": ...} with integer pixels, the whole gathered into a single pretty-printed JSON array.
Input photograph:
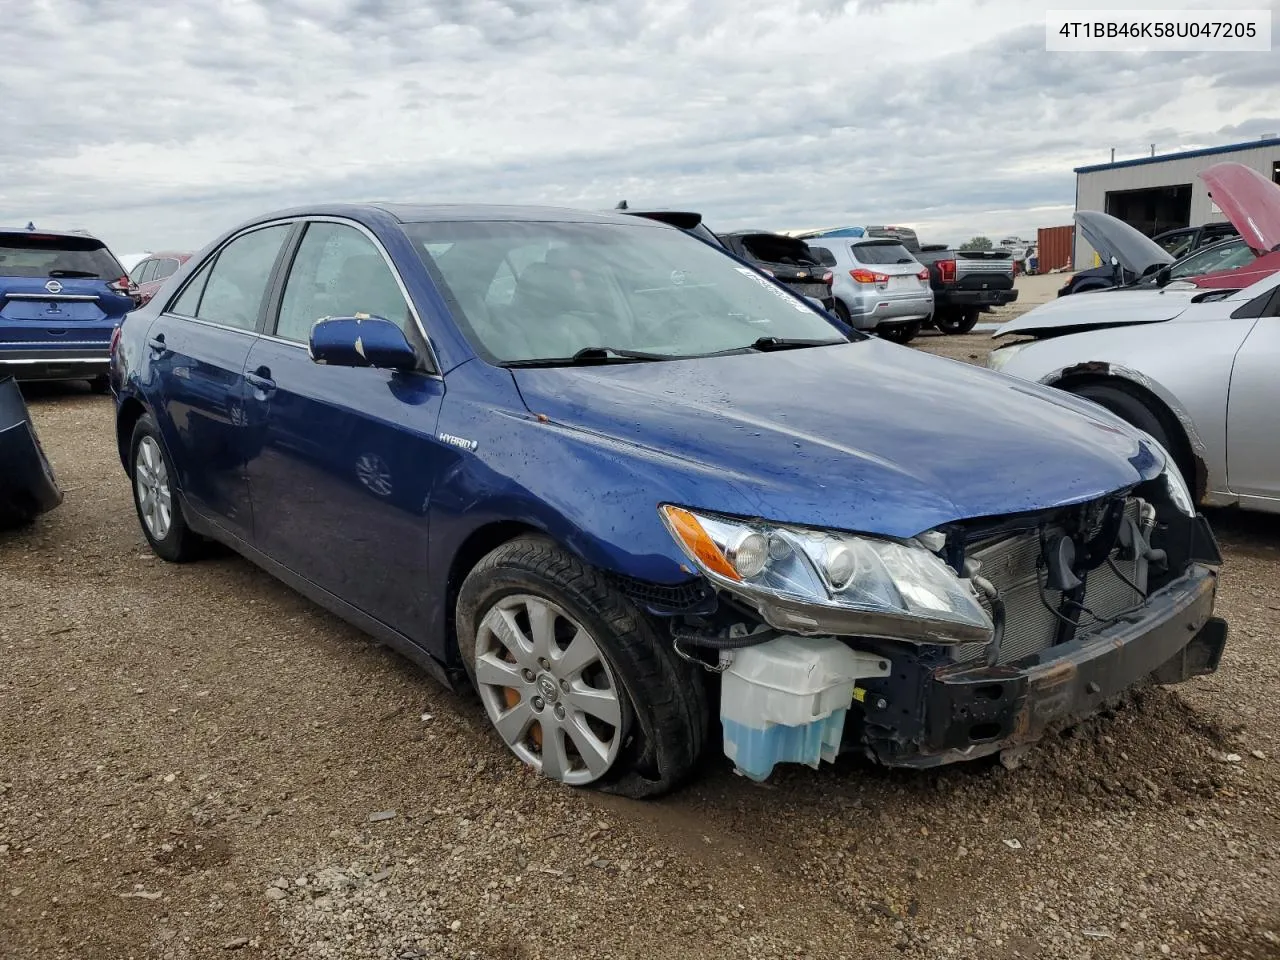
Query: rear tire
[
  {"x": 155, "y": 496},
  {"x": 842, "y": 312},
  {"x": 100, "y": 384},
  {"x": 663, "y": 720},
  {"x": 956, "y": 322},
  {"x": 900, "y": 333}
]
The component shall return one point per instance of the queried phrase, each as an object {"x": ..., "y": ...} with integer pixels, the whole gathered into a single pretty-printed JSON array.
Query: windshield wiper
[
  {"x": 589, "y": 356},
  {"x": 768, "y": 344},
  {"x": 86, "y": 274}
]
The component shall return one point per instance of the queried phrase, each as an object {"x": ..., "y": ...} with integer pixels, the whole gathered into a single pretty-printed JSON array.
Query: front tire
[
  {"x": 1135, "y": 411},
  {"x": 579, "y": 684},
  {"x": 155, "y": 496}
]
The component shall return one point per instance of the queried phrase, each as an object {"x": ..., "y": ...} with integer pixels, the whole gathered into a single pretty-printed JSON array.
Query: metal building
[{"x": 1163, "y": 192}]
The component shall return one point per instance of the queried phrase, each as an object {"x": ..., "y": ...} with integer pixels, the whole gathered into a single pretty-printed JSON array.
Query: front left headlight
[
  {"x": 812, "y": 581},
  {"x": 1000, "y": 356}
]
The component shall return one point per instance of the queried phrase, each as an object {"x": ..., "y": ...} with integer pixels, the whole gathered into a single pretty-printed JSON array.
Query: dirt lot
[{"x": 195, "y": 761}]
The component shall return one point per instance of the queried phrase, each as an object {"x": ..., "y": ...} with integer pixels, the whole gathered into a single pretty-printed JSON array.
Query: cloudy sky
[{"x": 159, "y": 125}]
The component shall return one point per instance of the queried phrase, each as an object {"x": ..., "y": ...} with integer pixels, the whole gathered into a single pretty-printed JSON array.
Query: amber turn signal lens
[{"x": 698, "y": 542}]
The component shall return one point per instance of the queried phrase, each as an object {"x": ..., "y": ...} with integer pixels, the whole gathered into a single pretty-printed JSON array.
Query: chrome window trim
[{"x": 215, "y": 325}]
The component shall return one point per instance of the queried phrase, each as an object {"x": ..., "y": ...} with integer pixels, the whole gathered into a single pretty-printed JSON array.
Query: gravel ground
[{"x": 195, "y": 761}]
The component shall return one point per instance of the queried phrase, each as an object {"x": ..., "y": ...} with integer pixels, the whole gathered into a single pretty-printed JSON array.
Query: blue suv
[
  {"x": 62, "y": 296},
  {"x": 619, "y": 480}
]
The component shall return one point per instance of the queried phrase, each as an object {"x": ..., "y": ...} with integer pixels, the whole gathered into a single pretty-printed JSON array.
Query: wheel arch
[
  {"x": 478, "y": 544},
  {"x": 131, "y": 411},
  {"x": 1191, "y": 454}
]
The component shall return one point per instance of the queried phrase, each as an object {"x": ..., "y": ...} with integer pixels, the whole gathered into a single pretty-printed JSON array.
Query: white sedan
[{"x": 1197, "y": 369}]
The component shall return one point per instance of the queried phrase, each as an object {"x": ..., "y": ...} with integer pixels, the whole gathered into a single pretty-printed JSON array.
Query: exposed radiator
[{"x": 1014, "y": 566}]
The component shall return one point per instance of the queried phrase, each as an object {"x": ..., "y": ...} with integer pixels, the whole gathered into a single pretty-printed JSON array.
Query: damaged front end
[
  {"x": 27, "y": 484},
  {"x": 967, "y": 640}
]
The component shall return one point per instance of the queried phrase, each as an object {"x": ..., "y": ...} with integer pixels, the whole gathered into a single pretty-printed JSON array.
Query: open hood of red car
[
  {"x": 1240, "y": 277},
  {"x": 1250, "y": 201}
]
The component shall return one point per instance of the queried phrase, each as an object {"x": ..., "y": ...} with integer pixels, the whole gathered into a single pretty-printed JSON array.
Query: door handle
[
  {"x": 260, "y": 379},
  {"x": 156, "y": 343}
]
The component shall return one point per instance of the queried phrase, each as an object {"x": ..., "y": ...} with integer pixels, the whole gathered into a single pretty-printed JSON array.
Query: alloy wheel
[
  {"x": 151, "y": 481},
  {"x": 548, "y": 689}
]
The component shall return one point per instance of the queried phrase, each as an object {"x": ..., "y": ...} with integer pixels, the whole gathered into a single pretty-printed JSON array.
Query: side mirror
[
  {"x": 361, "y": 341},
  {"x": 1162, "y": 276}
]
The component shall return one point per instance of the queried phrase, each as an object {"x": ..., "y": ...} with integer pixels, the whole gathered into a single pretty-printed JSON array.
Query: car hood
[
  {"x": 866, "y": 436},
  {"x": 1112, "y": 237},
  {"x": 1102, "y": 308},
  {"x": 1250, "y": 201},
  {"x": 1240, "y": 277}
]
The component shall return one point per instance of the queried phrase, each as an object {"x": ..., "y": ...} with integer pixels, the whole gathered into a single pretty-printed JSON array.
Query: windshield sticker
[{"x": 777, "y": 291}]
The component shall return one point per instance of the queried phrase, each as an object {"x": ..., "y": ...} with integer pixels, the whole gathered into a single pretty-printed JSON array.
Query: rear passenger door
[
  {"x": 197, "y": 350},
  {"x": 349, "y": 455}
]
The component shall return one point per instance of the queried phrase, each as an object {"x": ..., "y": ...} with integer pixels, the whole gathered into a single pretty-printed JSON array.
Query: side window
[
  {"x": 338, "y": 272},
  {"x": 138, "y": 272},
  {"x": 825, "y": 256},
  {"x": 187, "y": 304},
  {"x": 237, "y": 284},
  {"x": 165, "y": 269}
]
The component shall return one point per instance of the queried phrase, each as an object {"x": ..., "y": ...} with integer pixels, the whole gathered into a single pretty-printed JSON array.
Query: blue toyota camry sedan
[{"x": 643, "y": 498}]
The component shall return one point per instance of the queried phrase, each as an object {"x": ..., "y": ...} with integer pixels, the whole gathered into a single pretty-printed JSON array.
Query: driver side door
[
  {"x": 1253, "y": 455},
  {"x": 343, "y": 472}
]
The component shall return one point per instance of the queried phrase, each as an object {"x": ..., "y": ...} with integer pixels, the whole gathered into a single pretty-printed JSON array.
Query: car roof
[
  {"x": 169, "y": 255},
  {"x": 68, "y": 234},
  {"x": 447, "y": 212}
]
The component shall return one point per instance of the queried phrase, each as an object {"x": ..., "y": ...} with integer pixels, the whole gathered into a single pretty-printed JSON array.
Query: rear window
[
  {"x": 881, "y": 253},
  {"x": 42, "y": 256}
]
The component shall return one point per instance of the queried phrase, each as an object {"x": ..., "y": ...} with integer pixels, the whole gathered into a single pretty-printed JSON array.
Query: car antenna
[
  {"x": 31, "y": 225},
  {"x": 622, "y": 205}
]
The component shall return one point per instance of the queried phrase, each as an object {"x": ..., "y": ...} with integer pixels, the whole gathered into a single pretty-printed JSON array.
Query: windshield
[
  {"x": 880, "y": 253},
  {"x": 1228, "y": 256},
  {"x": 42, "y": 256},
  {"x": 528, "y": 290}
]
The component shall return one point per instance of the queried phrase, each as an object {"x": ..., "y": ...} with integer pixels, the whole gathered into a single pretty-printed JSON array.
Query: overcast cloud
[{"x": 161, "y": 125}]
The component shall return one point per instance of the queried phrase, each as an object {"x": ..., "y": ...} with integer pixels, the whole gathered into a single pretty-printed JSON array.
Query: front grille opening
[
  {"x": 990, "y": 691},
  {"x": 1033, "y": 613}
]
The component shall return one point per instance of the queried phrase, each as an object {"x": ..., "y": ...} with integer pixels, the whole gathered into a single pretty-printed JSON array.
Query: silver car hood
[
  {"x": 1102, "y": 308},
  {"x": 1112, "y": 237}
]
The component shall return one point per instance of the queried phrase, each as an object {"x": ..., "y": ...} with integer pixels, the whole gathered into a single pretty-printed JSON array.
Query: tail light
[
  {"x": 947, "y": 271},
  {"x": 861, "y": 275},
  {"x": 127, "y": 288},
  {"x": 828, "y": 278},
  {"x": 923, "y": 275},
  {"x": 115, "y": 339}
]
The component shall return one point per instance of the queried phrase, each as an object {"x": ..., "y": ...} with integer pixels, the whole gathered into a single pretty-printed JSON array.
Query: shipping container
[{"x": 1054, "y": 247}]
